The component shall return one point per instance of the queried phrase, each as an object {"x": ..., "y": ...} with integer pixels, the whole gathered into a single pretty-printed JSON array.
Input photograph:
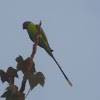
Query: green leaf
[
  {"x": 3, "y": 76},
  {"x": 23, "y": 64},
  {"x": 11, "y": 72},
  {"x": 31, "y": 77},
  {"x": 27, "y": 75},
  {"x": 40, "y": 77},
  {"x": 9, "y": 75},
  {"x": 34, "y": 80},
  {"x": 26, "y": 64},
  {"x": 14, "y": 97},
  {"x": 2, "y": 72},
  {"x": 19, "y": 62},
  {"x": 19, "y": 59},
  {"x": 13, "y": 88},
  {"x": 7, "y": 94},
  {"x": 12, "y": 93}
]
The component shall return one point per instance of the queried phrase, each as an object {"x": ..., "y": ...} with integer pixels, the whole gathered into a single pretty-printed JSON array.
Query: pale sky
[{"x": 73, "y": 31}]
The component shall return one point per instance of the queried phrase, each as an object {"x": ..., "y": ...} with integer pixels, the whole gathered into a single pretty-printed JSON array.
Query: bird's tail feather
[{"x": 61, "y": 70}]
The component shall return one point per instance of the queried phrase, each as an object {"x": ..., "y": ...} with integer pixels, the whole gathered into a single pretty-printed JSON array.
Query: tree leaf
[
  {"x": 40, "y": 77},
  {"x": 23, "y": 64},
  {"x": 27, "y": 75},
  {"x": 7, "y": 94},
  {"x": 11, "y": 72},
  {"x": 34, "y": 80},
  {"x": 26, "y": 64},
  {"x": 19, "y": 62},
  {"x": 13, "y": 88},
  {"x": 3, "y": 76},
  {"x": 9, "y": 75},
  {"x": 19, "y": 59},
  {"x": 31, "y": 78}
]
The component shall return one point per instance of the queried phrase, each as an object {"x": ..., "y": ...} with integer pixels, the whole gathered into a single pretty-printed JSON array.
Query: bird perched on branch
[{"x": 32, "y": 30}]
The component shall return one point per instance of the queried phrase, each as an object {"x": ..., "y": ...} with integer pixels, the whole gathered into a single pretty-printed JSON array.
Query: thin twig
[{"x": 28, "y": 92}]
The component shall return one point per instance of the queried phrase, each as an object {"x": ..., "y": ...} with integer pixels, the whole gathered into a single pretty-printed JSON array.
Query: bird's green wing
[{"x": 43, "y": 34}]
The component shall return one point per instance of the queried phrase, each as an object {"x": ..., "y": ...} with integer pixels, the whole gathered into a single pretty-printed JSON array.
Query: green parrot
[{"x": 32, "y": 30}]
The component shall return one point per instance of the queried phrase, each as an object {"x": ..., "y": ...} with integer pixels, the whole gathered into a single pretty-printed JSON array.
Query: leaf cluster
[
  {"x": 12, "y": 93},
  {"x": 34, "y": 78},
  {"x": 9, "y": 75}
]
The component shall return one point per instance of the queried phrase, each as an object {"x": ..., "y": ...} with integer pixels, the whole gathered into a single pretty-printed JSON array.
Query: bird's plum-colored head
[{"x": 25, "y": 24}]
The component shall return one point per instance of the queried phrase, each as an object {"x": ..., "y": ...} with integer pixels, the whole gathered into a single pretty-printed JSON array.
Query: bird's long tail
[{"x": 62, "y": 71}]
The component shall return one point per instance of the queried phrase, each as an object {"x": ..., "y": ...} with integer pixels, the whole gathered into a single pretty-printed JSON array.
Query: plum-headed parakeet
[{"x": 32, "y": 30}]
